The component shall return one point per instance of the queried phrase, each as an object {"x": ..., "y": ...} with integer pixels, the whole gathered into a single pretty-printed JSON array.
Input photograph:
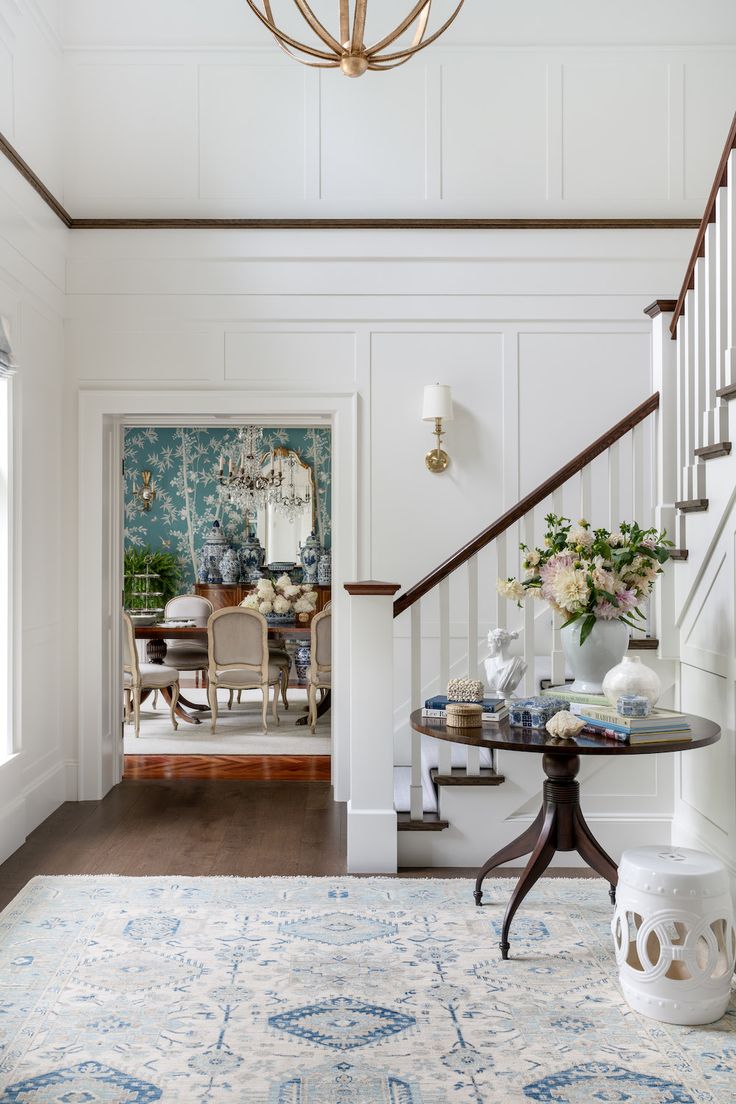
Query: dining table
[{"x": 186, "y": 709}]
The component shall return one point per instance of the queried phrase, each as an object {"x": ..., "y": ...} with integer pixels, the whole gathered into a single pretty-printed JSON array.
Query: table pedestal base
[{"x": 559, "y": 826}]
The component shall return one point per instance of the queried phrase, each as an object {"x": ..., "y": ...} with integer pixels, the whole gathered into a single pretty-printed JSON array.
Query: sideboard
[{"x": 232, "y": 594}]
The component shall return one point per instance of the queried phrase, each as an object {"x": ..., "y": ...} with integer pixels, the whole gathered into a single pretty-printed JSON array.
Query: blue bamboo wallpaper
[{"x": 184, "y": 464}]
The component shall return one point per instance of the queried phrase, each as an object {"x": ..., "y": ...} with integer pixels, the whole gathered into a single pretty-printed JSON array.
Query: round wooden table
[{"x": 560, "y": 824}]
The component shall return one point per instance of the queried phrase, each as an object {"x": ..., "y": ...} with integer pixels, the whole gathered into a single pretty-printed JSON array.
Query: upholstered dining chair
[
  {"x": 188, "y": 655},
  {"x": 239, "y": 659},
  {"x": 280, "y": 658},
  {"x": 319, "y": 674},
  {"x": 139, "y": 676}
]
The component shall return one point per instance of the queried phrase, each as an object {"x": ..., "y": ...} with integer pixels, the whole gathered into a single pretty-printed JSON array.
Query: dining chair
[
  {"x": 188, "y": 655},
  {"x": 319, "y": 673},
  {"x": 139, "y": 676},
  {"x": 239, "y": 659},
  {"x": 280, "y": 658}
]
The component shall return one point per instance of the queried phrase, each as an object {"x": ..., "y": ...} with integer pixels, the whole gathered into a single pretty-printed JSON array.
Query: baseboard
[
  {"x": 37, "y": 801},
  {"x": 684, "y": 835}
]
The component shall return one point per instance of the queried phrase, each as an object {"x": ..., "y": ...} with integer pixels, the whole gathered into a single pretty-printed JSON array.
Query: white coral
[{"x": 564, "y": 725}]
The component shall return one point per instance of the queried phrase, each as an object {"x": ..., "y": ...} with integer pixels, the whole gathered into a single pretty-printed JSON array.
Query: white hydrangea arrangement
[{"x": 282, "y": 597}]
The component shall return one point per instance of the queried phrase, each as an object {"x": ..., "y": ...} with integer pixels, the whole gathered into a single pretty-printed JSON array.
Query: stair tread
[
  {"x": 460, "y": 777},
  {"x": 430, "y": 822},
  {"x": 643, "y": 644},
  {"x": 728, "y": 392},
  {"x": 692, "y": 505},
  {"x": 679, "y": 553},
  {"x": 709, "y": 452}
]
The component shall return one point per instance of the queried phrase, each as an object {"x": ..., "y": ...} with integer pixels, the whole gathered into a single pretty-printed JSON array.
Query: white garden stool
[{"x": 674, "y": 934}]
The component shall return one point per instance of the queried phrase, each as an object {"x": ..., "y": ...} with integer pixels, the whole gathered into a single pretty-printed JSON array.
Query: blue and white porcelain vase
[
  {"x": 204, "y": 568},
  {"x": 309, "y": 553},
  {"x": 215, "y": 547},
  {"x": 252, "y": 555},
  {"x": 324, "y": 569},
  {"x": 302, "y": 659},
  {"x": 230, "y": 567},
  {"x": 213, "y": 575}
]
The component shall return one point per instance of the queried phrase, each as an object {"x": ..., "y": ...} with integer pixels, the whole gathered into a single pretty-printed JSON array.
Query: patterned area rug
[{"x": 330, "y": 991}]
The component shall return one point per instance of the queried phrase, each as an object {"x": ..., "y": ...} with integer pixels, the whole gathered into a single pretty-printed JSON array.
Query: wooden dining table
[{"x": 187, "y": 710}]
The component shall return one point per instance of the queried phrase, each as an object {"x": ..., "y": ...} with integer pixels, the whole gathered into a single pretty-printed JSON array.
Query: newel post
[
  {"x": 372, "y": 842},
  {"x": 666, "y": 466}
]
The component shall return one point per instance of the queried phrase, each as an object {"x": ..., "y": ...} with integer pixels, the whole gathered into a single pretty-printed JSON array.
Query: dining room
[{"x": 226, "y": 557}]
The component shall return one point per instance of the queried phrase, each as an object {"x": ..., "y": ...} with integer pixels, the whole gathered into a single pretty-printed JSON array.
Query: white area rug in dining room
[
  {"x": 239, "y": 731},
  {"x": 330, "y": 991}
]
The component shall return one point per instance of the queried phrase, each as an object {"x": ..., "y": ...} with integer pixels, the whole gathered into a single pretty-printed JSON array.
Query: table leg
[
  {"x": 522, "y": 845},
  {"x": 322, "y": 708},
  {"x": 196, "y": 706},
  {"x": 559, "y": 826},
  {"x": 180, "y": 712}
]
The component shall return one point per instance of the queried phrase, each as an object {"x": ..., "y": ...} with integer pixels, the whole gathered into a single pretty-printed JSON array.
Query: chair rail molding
[{"x": 102, "y": 413}]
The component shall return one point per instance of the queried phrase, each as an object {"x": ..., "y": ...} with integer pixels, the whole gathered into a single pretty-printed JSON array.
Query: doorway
[
  {"x": 216, "y": 517},
  {"x": 104, "y": 417}
]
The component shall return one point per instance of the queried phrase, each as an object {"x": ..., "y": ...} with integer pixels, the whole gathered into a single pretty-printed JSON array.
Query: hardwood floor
[
  {"x": 195, "y": 828},
  {"x": 240, "y": 768}
]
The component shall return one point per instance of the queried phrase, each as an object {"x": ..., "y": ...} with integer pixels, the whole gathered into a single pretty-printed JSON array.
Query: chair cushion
[
  {"x": 319, "y": 678},
  {"x": 244, "y": 680},
  {"x": 155, "y": 675}
]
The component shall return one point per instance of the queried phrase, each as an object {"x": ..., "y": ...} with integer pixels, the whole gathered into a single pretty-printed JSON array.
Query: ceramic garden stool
[{"x": 673, "y": 931}]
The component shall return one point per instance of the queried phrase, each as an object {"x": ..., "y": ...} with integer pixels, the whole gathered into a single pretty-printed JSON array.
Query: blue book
[{"x": 489, "y": 705}]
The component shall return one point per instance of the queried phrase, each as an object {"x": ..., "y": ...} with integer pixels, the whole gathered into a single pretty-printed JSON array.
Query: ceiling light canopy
[{"x": 347, "y": 49}]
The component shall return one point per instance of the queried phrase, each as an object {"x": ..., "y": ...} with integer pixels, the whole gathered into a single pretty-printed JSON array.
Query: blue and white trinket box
[
  {"x": 633, "y": 705},
  {"x": 534, "y": 712}
]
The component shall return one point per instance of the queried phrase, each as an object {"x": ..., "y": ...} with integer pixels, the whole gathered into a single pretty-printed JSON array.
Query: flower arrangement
[
  {"x": 282, "y": 598},
  {"x": 590, "y": 574}
]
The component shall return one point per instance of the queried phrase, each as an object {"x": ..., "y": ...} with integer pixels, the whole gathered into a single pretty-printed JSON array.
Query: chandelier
[
  {"x": 245, "y": 480},
  {"x": 288, "y": 500},
  {"x": 348, "y": 50}
]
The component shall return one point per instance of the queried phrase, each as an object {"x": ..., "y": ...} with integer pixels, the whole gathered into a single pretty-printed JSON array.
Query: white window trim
[{"x": 9, "y": 727}]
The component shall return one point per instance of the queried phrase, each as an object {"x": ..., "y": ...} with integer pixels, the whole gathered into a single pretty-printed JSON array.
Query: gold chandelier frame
[{"x": 350, "y": 53}]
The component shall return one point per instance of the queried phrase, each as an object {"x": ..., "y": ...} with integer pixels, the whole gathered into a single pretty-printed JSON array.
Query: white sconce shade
[{"x": 437, "y": 402}]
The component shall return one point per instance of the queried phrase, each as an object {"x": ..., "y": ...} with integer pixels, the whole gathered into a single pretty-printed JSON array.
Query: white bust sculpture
[{"x": 503, "y": 672}]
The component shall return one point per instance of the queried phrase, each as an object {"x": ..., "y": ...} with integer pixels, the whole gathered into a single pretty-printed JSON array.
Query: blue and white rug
[{"x": 330, "y": 991}]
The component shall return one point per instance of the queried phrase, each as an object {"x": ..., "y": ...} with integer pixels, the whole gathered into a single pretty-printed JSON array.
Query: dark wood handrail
[
  {"x": 721, "y": 179},
  {"x": 544, "y": 490}
]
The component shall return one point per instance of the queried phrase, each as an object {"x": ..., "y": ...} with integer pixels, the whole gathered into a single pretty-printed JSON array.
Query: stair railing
[{"x": 619, "y": 476}]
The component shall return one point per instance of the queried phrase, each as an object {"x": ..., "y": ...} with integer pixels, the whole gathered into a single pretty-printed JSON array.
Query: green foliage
[{"x": 164, "y": 564}]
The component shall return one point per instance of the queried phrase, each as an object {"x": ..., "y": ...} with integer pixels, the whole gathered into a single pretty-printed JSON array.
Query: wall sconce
[
  {"x": 145, "y": 495},
  {"x": 437, "y": 408}
]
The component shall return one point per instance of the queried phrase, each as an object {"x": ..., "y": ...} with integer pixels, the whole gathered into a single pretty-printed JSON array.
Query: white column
[
  {"x": 666, "y": 440},
  {"x": 372, "y": 842}
]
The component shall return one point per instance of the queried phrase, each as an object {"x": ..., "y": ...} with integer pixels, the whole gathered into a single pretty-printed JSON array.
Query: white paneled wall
[{"x": 191, "y": 110}]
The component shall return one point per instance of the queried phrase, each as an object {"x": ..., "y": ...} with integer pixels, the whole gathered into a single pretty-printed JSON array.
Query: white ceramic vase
[
  {"x": 603, "y": 649},
  {"x": 631, "y": 676}
]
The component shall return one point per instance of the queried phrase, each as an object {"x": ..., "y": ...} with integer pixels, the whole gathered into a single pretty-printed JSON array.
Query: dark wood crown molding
[
  {"x": 660, "y": 306},
  {"x": 331, "y": 223}
]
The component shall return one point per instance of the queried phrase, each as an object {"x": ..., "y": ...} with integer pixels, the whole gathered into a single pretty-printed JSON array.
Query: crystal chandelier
[
  {"x": 348, "y": 50},
  {"x": 288, "y": 500},
  {"x": 245, "y": 480}
]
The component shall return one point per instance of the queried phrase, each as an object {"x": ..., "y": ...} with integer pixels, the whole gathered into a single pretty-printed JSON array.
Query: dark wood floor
[{"x": 196, "y": 828}]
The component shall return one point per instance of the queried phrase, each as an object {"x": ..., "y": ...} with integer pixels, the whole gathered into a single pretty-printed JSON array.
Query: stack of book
[
  {"x": 662, "y": 725},
  {"x": 494, "y": 708}
]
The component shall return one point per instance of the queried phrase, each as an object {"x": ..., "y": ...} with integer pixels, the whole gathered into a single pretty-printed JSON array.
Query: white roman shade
[{"x": 7, "y": 364}]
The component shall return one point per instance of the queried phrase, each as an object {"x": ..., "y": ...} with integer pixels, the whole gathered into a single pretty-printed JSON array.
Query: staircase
[{"x": 668, "y": 463}]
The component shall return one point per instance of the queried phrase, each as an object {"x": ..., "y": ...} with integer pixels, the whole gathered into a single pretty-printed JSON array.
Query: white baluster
[
  {"x": 697, "y": 367},
  {"x": 710, "y": 336},
  {"x": 689, "y": 393},
  {"x": 444, "y": 748},
  {"x": 638, "y": 475},
  {"x": 530, "y": 608},
  {"x": 502, "y": 569},
  {"x": 472, "y": 754},
  {"x": 720, "y": 413},
  {"x": 682, "y": 407},
  {"x": 614, "y": 497},
  {"x": 557, "y": 656},
  {"x": 585, "y": 492},
  {"x": 729, "y": 369},
  {"x": 416, "y": 807}
]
